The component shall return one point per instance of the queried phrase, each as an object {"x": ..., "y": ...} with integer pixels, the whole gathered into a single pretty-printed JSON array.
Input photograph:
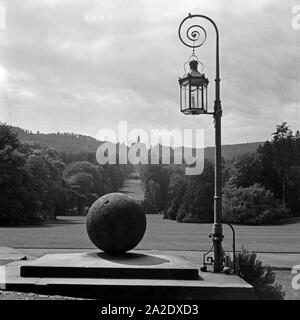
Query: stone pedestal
[
  {"x": 105, "y": 266},
  {"x": 135, "y": 275}
]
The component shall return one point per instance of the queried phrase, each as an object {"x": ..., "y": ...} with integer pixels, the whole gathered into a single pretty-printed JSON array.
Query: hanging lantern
[{"x": 193, "y": 91}]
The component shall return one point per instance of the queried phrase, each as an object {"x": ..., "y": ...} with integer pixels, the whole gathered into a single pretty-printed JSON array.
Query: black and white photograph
[{"x": 149, "y": 151}]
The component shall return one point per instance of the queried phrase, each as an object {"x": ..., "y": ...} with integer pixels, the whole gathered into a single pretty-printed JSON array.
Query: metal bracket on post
[
  {"x": 233, "y": 247},
  {"x": 208, "y": 260}
]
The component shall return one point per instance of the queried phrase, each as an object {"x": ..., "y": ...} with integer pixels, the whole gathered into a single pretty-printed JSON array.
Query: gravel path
[{"x": 13, "y": 295}]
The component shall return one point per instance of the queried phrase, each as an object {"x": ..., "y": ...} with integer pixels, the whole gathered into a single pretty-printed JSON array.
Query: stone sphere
[{"x": 116, "y": 223}]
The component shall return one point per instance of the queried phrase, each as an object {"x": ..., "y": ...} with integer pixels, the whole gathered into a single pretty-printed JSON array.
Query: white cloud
[
  {"x": 82, "y": 65},
  {"x": 3, "y": 74}
]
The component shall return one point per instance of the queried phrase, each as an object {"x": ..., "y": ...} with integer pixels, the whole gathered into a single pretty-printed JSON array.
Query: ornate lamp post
[{"x": 193, "y": 100}]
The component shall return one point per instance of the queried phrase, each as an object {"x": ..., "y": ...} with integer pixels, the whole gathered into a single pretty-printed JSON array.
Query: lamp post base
[
  {"x": 217, "y": 238},
  {"x": 218, "y": 259}
]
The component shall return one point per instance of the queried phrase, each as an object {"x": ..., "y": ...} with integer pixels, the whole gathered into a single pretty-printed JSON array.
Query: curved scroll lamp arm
[{"x": 217, "y": 80}]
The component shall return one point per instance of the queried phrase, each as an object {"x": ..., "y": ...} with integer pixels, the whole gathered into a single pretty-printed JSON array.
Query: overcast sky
[{"x": 80, "y": 66}]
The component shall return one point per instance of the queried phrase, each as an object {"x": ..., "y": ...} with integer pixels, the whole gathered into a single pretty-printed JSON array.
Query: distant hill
[
  {"x": 68, "y": 142},
  {"x": 76, "y": 143},
  {"x": 231, "y": 151}
]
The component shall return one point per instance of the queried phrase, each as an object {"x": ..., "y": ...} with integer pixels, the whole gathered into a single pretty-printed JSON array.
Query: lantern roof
[{"x": 194, "y": 75}]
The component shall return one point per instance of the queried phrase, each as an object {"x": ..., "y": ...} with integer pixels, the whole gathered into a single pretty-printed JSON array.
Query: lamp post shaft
[
  {"x": 217, "y": 232},
  {"x": 217, "y": 227}
]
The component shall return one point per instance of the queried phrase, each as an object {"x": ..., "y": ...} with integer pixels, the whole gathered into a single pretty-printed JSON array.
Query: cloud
[
  {"x": 83, "y": 65},
  {"x": 2, "y": 74}
]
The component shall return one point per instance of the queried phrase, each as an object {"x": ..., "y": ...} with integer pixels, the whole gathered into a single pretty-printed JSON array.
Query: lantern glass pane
[
  {"x": 194, "y": 100},
  {"x": 196, "y": 97},
  {"x": 187, "y": 97},
  {"x": 180, "y": 96},
  {"x": 206, "y": 98}
]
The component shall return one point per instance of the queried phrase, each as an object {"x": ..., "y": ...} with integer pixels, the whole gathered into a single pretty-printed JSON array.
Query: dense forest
[
  {"x": 38, "y": 183},
  {"x": 259, "y": 187}
]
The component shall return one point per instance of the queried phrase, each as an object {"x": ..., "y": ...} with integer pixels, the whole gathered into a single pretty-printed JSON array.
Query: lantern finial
[{"x": 194, "y": 65}]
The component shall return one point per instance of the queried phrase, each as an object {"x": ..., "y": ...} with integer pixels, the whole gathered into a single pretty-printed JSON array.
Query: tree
[
  {"x": 86, "y": 182},
  {"x": 81, "y": 191},
  {"x": 198, "y": 196},
  {"x": 18, "y": 203},
  {"x": 176, "y": 185},
  {"x": 172, "y": 211},
  {"x": 153, "y": 195},
  {"x": 8, "y": 137},
  {"x": 155, "y": 178},
  {"x": 275, "y": 166},
  {"x": 269, "y": 177},
  {"x": 47, "y": 174},
  {"x": 83, "y": 183},
  {"x": 250, "y": 205},
  {"x": 246, "y": 170},
  {"x": 284, "y": 149}
]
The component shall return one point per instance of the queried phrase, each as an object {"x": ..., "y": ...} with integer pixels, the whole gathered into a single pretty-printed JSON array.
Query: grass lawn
[{"x": 69, "y": 232}]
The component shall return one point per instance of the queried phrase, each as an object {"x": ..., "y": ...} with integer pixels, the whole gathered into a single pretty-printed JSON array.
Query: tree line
[
  {"x": 258, "y": 187},
  {"x": 36, "y": 184}
]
